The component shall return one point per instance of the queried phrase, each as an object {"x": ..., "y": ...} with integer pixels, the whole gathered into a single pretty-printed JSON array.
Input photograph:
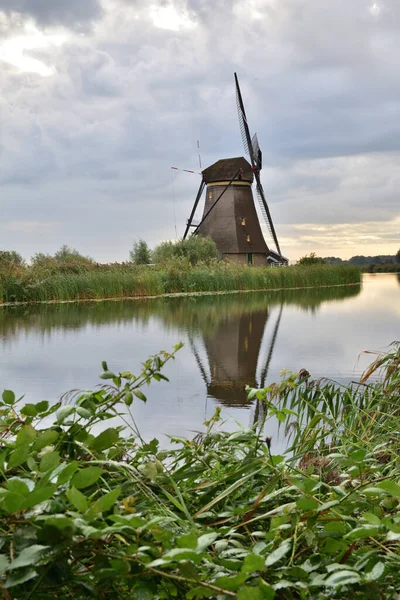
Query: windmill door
[{"x": 250, "y": 258}]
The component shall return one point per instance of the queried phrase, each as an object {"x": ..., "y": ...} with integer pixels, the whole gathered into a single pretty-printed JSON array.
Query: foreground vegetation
[
  {"x": 69, "y": 276},
  {"x": 91, "y": 510}
]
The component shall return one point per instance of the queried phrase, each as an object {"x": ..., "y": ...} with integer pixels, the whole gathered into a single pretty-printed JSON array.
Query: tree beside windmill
[{"x": 230, "y": 217}]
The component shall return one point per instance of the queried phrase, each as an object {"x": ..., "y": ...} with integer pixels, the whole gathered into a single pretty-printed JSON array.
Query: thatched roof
[{"x": 225, "y": 170}]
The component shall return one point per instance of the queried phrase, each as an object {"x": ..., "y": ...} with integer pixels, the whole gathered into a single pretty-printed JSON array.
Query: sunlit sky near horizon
[{"x": 100, "y": 98}]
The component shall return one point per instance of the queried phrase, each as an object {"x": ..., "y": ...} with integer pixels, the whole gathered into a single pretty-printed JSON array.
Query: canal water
[{"x": 229, "y": 341}]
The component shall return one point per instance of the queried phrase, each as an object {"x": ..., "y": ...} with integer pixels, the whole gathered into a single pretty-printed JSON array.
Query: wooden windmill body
[
  {"x": 233, "y": 223},
  {"x": 230, "y": 217}
]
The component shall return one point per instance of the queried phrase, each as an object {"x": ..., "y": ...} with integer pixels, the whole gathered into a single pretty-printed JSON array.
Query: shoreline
[{"x": 175, "y": 295}]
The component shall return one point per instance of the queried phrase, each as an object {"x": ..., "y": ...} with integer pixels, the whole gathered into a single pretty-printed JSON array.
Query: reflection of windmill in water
[
  {"x": 238, "y": 353},
  {"x": 230, "y": 217}
]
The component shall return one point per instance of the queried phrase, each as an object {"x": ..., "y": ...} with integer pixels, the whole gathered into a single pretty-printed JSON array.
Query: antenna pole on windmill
[{"x": 198, "y": 147}]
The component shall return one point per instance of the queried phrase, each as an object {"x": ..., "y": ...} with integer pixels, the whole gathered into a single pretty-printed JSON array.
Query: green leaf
[
  {"x": 107, "y": 375},
  {"x": 12, "y": 502},
  {"x": 20, "y": 577},
  {"x": 150, "y": 470},
  {"x": 279, "y": 553},
  {"x": 393, "y": 524},
  {"x": 142, "y": 591},
  {"x": 49, "y": 461},
  {"x": 77, "y": 499},
  {"x": 358, "y": 455},
  {"x": 343, "y": 577},
  {"x": 4, "y": 562},
  {"x": 376, "y": 572},
  {"x": 84, "y": 412},
  {"x": 231, "y": 583},
  {"x": 250, "y": 593},
  {"x": 267, "y": 590},
  {"x": 252, "y": 563},
  {"x": 8, "y": 397},
  {"x": 39, "y": 494},
  {"x": 140, "y": 395},
  {"x": 390, "y": 487},
  {"x": 187, "y": 541},
  {"x": 373, "y": 491},
  {"x": 29, "y": 410},
  {"x": 107, "y": 501},
  {"x": 67, "y": 472},
  {"x": 18, "y": 486},
  {"x": 19, "y": 456},
  {"x": 42, "y": 406},
  {"x": 363, "y": 532},
  {"x": 64, "y": 413},
  {"x": 106, "y": 439},
  {"x": 205, "y": 540},
  {"x": 327, "y": 505},
  {"x": 128, "y": 398},
  {"x": 29, "y": 556},
  {"x": 26, "y": 435},
  {"x": 177, "y": 554},
  {"x": 371, "y": 518},
  {"x": 307, "y": 503},
  {"x": 86, "y": 477},
  {"x": 45, "y": 438}
]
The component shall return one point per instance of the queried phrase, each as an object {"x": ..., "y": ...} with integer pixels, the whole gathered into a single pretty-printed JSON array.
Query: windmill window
[
  {"x": 243, "y": 221},
  {"x": 210, "y": 195},
  {"x": 248, "y": 239}
]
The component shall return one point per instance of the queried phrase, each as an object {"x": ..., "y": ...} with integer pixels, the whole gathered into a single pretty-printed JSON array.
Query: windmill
[{"x": 230, "y": 217}]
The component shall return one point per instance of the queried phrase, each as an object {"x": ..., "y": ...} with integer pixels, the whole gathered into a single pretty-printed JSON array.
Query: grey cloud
[{"x": 71, "y": 13}]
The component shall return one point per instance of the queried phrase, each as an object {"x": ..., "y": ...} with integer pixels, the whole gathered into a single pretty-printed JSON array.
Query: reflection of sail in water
[{"x": 233, "y": 355}]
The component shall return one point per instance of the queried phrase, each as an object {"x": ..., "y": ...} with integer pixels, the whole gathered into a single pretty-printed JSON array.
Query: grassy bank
[
  {"x": 108, "y": 515},
  {"x": 118, "y": 281}
]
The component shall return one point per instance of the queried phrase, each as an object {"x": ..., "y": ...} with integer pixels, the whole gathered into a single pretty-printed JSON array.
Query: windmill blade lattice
[
  {"x": 244, "y": 127},
  {"x": 265, "y": 211},
  {"x": 264, "y": 214}
]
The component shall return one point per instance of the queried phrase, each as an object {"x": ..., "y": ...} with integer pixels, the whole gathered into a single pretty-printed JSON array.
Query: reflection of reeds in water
[{"x": 193, "y": 313}]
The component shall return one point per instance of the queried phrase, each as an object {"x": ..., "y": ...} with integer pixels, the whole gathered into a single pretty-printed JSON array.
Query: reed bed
[{"x": 177, "y": 277}]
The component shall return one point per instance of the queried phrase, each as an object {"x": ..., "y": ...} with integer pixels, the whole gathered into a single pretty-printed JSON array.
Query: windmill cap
[{"x": 226, "y": 169}]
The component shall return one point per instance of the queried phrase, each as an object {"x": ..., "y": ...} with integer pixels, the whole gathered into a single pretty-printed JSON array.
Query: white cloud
[
  {"x": 16, "y": 50},
  {"x": 171, "y": 17}
]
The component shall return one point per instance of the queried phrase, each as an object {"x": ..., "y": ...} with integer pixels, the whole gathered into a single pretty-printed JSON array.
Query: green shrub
[
  {"x": 195, "y": 249},
  {"x": 140, "y": 253},
  {"x": 310, "y": 259},
  {"x": 91, "y": 510}
]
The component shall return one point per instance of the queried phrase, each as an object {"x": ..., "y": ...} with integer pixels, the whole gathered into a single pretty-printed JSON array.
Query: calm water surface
[{"x": 230, "y": 341}]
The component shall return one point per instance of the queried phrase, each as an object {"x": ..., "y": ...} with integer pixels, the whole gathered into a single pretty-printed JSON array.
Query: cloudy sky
[{"x": 99, "y": 98}]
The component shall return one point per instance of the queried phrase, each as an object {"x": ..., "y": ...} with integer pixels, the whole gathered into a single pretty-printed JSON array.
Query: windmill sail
[
  {"x": 252, "y": 149},
  {"x": 256, "y": 151},
  {"x": 244, "y": 127}
]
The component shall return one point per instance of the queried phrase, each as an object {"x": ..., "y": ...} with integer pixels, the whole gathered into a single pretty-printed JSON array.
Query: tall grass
[{"x": 119, "y": 281}]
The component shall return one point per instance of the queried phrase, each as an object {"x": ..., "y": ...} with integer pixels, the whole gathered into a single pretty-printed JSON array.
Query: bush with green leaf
[
  {"x": 90, "y": 509},
  {"x": 194, "y": 249},
  {"x": 140, "y": 253},
  {"x": 310, "y": 259}
]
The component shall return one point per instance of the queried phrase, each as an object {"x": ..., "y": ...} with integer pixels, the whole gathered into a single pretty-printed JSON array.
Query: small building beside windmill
[{"x": 233, "y": 222}]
